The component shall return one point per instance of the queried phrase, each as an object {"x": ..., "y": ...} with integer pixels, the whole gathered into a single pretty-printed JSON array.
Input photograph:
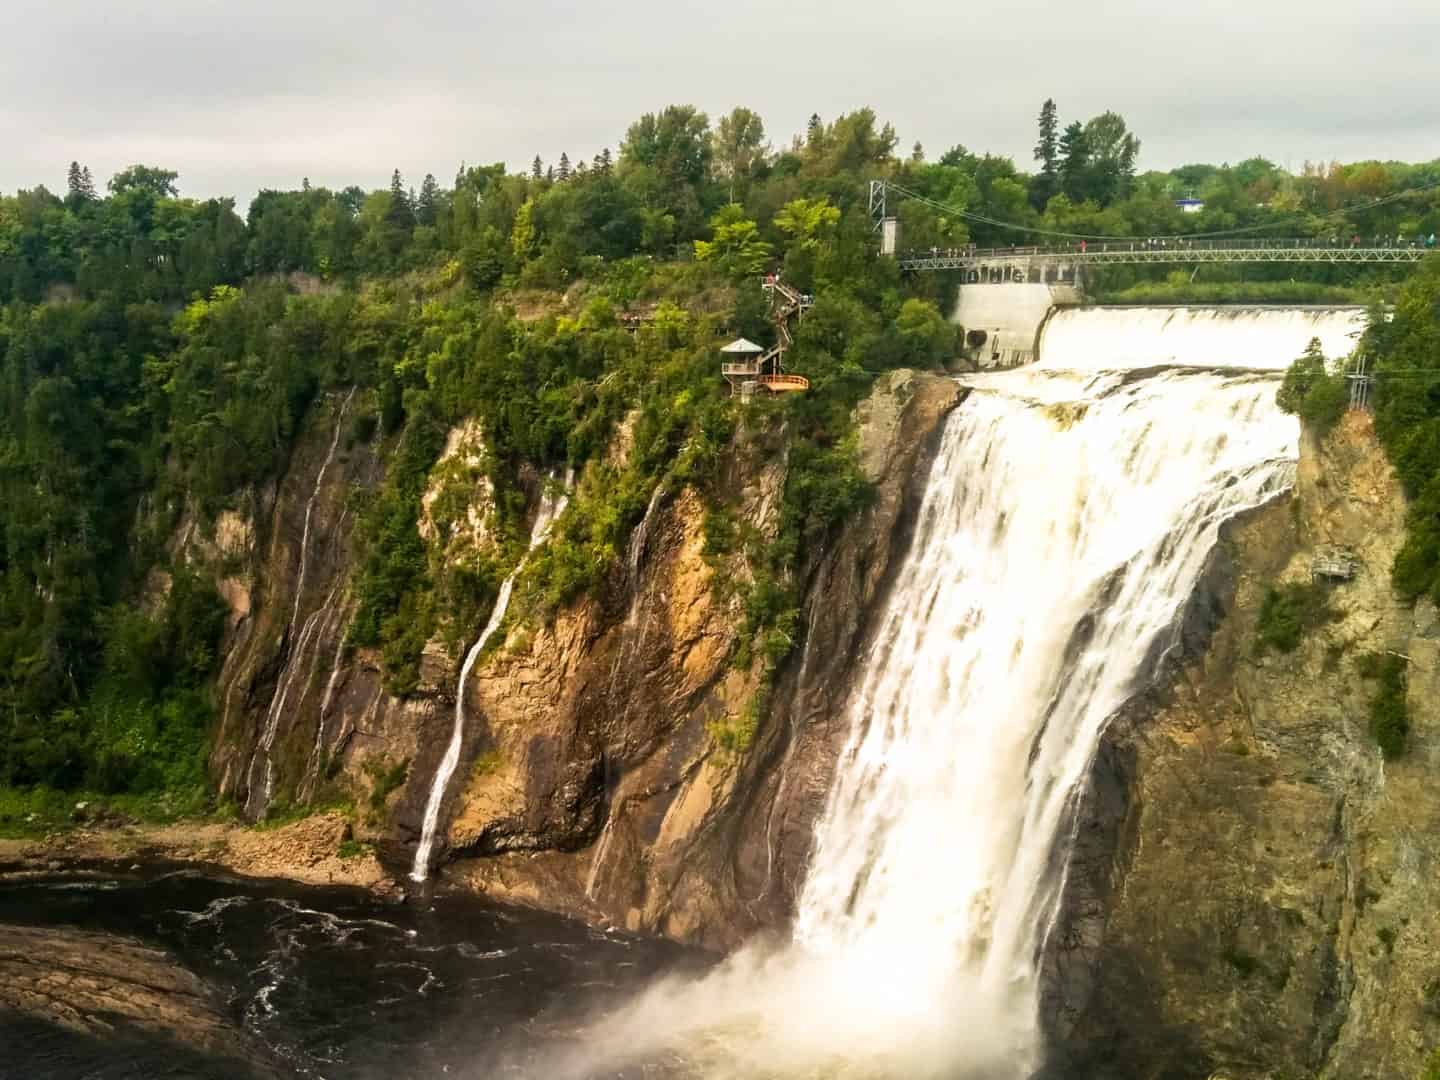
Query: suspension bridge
[
  {"x": 1065, "y": 259},
  {"x": 1058, "y": 263}
]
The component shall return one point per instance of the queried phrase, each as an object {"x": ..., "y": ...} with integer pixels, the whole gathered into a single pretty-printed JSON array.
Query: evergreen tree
[
  {"x": 401, "y": 213},
  {"x": 537, "y": 168},
  {"x": 597, "y": 165},
  {"x": 812, "y": 129},
  {"x": 1047, "y": 151},
  {"x": 917, "y": 154},
  {"x": 564, "y": 173},
  {"x": 606, "y": 160},
  {"x": 550, "y": 174},
  {"x": 1075, "y": 163},
  {"x": 426, "y": 205},
  {"x": 81, "y": 187},
  {"x": 579, "y": 169}
]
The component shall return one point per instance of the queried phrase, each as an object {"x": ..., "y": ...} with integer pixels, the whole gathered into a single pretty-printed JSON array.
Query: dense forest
[{"x": 159, "y": 354}]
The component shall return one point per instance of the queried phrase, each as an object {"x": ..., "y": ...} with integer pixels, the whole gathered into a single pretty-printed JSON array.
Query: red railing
[{"x": 779, "y": 383}]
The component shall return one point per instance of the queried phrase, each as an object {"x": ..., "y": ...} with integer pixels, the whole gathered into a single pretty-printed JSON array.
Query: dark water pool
[{"x": 336, "y": 983}]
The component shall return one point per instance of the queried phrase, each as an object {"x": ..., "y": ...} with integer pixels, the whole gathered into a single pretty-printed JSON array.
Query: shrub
[
  {"x": 353, "y": 849},
  {"x": 1288, "y": 613},
  {"x": 1389, "y": 712},
  {"x": 385, "y": 777},
  {"x": 1244, "y": 964},
  {"x": 1313, "y": 392}
]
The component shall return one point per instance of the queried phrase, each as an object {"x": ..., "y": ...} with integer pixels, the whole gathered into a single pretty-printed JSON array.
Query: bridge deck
[{"x": 1008, "y": 263}]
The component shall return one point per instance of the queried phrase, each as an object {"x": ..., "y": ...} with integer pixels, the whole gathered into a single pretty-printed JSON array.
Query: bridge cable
[{"x": 970, "y": 215}]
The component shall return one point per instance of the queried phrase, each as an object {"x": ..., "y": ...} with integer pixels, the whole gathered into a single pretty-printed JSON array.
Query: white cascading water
[
  {"x": 1065, "y": 524},
  {"x": 1250, "y": 337},
  {"x": 551, "y": 507},
  {"x": 282, "y": 690}
]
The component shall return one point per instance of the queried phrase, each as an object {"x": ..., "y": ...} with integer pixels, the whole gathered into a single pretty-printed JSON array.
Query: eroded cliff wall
[
  {"x": 592, "y": 778},
  {"x": 1256, "y": 888}
]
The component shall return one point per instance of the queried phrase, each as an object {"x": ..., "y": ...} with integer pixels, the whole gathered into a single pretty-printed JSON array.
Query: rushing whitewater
[
  {"x": 551, "y": 507},
  {"x": 1066, "y": 521},
  {"x": 1249, "y": 337}
]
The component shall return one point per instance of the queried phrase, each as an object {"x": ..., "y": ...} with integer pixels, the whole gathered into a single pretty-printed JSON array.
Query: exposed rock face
[
  {"x": 600, "y": 764},
  {"x": 1256, "y": 890},
  {"x": 590, "y": 779},
  {"x": 62, "y": 984}
]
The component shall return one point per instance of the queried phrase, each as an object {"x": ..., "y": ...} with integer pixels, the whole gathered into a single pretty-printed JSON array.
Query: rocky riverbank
[{"x": 317, "y": 850}]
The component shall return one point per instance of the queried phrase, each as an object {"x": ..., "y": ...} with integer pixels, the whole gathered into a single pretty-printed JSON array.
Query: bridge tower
[{"x": 887, "y": 226}]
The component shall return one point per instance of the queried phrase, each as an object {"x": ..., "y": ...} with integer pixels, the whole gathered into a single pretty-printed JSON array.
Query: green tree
[
  {"x": 158, "y": 183},
  {"x": 401, "y": 213},
  {"x": 739, "y": 147},
  {"x": 80, "y": 187},
  {"x": 1112, "y": 152},
  {"x": 1047, "y": 151},
  {"x": 1312, "y": 391},
  {"x": 808, "y": 222},
  {"x": 1075, "y": 163},
  {"x": 736, "y": 245},
  {"x": 427, "y": 206}
]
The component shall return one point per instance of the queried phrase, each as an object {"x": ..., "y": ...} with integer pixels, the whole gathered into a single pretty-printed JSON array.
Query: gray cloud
[{"x": 243, "y": 96}]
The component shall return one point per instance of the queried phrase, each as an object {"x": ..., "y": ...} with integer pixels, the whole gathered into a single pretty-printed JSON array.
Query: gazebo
[{"x": 740, "y": 363}]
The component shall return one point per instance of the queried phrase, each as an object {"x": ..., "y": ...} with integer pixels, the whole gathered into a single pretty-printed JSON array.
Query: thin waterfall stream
[{"x": 552, "y": 505}]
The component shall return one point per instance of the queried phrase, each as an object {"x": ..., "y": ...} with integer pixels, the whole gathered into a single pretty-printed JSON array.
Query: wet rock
[
  {"x": 1264, "y": 899},
  {"x": 101, "y": 986}
]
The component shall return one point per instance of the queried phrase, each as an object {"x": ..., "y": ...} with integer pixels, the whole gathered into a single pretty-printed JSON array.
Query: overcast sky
[{"x": 237, "y": 95}]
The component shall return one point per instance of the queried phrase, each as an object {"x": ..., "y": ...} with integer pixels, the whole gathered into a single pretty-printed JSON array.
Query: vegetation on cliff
[
  {"x": 160, "y": 355},
  {"x": 1405, "y": 349}
]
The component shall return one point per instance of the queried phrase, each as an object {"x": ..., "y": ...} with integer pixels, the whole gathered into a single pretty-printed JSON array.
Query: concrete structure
[{"x": 1010, "y": 320}]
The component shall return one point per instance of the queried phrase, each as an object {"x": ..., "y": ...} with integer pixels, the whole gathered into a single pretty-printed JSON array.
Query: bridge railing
[{"x": 1146, "y": 245}]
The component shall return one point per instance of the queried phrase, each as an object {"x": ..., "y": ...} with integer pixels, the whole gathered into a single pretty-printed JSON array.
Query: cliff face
[
  {"x": 591, "y": 779},
  {"x": 1256, "y": 890}
]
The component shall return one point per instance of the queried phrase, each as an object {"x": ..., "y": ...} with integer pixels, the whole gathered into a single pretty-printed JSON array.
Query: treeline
[
  {"x": 159, "y": 356},
  {"x": 657, "y": 196}
]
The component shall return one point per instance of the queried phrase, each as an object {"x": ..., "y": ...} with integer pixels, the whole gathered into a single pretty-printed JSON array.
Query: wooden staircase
[{"x": 786, "y": 303}]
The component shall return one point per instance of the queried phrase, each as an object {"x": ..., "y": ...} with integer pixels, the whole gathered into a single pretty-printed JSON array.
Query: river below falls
[{"x": 337, "y": 983}]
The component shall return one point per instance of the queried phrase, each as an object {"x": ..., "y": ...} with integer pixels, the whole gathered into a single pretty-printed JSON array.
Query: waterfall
[
  {"x": 310, "y": 506},
  {"x": 1064, "y": 525},
  {"x": 282, "y": 688},
  {"x": 1240, "y": 336},
  {"x": 551, "y": 507}
]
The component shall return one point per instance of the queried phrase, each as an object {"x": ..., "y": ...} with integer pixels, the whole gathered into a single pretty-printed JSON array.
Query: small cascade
[
  {"x": 310, "y": 506},
  {"x": 312, "y": 768},
  {"x": 294, "y": 672},
  {"x": 276, "y": 710},
  {"x": 551, "y": 507}
]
